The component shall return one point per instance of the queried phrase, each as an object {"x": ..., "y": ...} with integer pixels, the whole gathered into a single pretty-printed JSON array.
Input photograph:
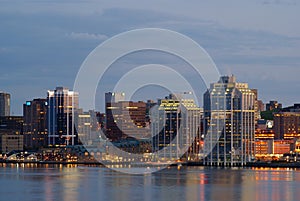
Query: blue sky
[{"x": 43, "y": 43}]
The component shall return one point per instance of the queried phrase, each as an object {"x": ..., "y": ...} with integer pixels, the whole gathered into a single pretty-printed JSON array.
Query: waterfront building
[
  {"x": 270, "y": 147},
  {"x": 4, "y": 104},
  {"x": 263, "y": 147},
  {"x": 282, "y": 146},
  {"x": 264, "y": 138},
  {"x": 35, "y": 123},
  {"x": 264, "y": 130},
  {"x": 175, "y": 129},
  {"x": 62, "y": 114},
  {"x": 229, "y": 122},
  {"x": 297, "y": 146}
]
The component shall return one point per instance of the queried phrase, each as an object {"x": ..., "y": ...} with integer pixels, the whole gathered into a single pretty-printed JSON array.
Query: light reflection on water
[{"x": 58, "y": 182}]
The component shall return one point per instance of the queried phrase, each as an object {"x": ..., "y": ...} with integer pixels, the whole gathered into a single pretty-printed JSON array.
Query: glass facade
[
  {"x": 175, "y": 129},
  {"x": 62, "y": 114},
  {"x": 229, "y": 123}
]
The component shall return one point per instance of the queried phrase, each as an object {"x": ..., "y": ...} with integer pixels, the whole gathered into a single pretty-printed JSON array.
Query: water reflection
[{"x": 58, "y": 182}]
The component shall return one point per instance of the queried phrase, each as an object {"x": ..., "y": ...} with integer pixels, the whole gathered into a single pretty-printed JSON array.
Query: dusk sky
[{"x": 43, "y": 43}]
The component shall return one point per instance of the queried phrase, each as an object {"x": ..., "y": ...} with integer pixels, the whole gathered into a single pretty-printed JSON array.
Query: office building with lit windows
[
  {"x": 126, "y": 119},
  {"x": 229, "y": 123},
  {"x": 35, "y": 123},
  {"x": 88, "y": 126},
  {"x": 175, "y": 129},
  {"x": 287, "y": 125},
  {"x": 11, "y": 133},
  {"x": 62, "y": 114},
  {"x": 4, "y": 104}
]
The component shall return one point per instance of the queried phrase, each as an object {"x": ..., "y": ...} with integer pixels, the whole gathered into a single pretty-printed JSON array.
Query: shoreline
[{"x": 189, "y": 164}]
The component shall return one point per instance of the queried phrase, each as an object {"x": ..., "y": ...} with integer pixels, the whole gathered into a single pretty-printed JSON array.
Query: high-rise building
[
  {"x": 126, "y": 119},
  {"x": 4, "y": 104},
  {"x": 229, "y": 122},
  {"x": 175, "y": 129},
  {"x": 165, "y": 128},
  {"x": 87, "y": 126},
  {"x": 35, "y": 123},
  {"x": 287, "y": 125},
  {"x": 62, "y": 114}
]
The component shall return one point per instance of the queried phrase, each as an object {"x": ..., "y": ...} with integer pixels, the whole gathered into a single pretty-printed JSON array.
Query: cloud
[
  {"x": 86, "y": 36},
  {"x": 47, "y": 41}
]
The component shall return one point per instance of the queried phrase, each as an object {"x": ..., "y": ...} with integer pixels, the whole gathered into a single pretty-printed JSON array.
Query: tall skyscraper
[
  {"x": 175, "y": 129},
  {"x": 35, "y": 123},
  {"x": 62, "y": 114},
  {"x": 229, "y": 122},
  {"x": 4, "y": 104}
]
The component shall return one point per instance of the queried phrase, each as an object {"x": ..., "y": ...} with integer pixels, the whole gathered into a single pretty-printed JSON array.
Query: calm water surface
[{"x": 32, "y": 182}]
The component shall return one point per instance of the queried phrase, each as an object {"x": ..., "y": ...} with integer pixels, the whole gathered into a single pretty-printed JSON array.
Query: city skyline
[
  {"x": 12, "y": 113},
  {"x": 47, "y": 46},
  {"x": 149, "y": 100},
  {"x": 230, "y": 129}
]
